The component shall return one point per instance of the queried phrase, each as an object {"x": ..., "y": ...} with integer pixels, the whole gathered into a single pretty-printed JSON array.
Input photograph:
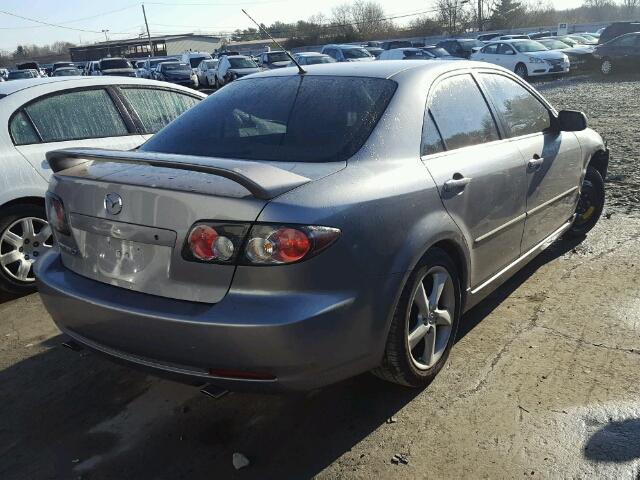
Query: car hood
[
  {"x": 546, "y": 55},
  {"x": 363, "y": 59}
]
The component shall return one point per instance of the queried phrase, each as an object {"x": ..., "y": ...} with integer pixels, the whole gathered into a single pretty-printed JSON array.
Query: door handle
[
  {"x": 457, "y": 183},
  {"x": 535, "y": 163}
]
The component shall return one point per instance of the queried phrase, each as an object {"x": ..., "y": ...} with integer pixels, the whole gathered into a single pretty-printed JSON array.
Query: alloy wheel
[
  {"x": 21, "y": 244},
  {"x": 606, "y": 67},
  {"x": 430, "y": 317}
]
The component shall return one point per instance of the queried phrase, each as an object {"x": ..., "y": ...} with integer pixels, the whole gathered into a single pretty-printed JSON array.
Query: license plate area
[{"x": 131, "y": 256}]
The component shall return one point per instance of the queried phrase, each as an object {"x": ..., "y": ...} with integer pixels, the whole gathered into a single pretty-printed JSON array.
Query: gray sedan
[{"x": 342, "y": 224}]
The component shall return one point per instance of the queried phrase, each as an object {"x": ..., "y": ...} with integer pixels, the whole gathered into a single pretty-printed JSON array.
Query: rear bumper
[{"x": 303, "y": 340}]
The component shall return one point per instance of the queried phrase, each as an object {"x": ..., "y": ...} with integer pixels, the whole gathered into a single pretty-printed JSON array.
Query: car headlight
[{"x": 535, "y": 60}]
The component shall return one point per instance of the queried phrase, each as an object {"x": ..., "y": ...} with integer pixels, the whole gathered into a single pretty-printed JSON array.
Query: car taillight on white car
[
  {"x": 57, "y": 215},
  {"x": 229, "y": 243}
]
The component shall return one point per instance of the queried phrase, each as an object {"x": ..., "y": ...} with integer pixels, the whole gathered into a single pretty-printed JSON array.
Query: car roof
[
  {"x": 310, "y": 54},
  {"x": 343, "y": 45},
  {"x": 8, "y": 88},
  {"x": 378, "y": 69}
]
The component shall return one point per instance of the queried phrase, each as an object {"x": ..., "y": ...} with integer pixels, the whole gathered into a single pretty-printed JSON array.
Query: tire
[
  {"x": 521, "y": 71},
  {"x": 590, "y": 205},
  {"x": 18, "y": 243},
  {"x": 414, "y": 367},
  {"x": 606, "y": 67}
]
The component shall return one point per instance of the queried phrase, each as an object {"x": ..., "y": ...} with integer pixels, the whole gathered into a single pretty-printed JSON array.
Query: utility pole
[
  {"x": 144, "y": 14},
  {"x": 480, "y": 26},
  {"x": 106, "y": 39}
]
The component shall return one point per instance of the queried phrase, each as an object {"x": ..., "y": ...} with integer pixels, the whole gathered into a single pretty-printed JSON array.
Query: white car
[
  {"x": 193, "y": 59},
  {"x": 527, "y": 58},
  {"x": 206, "y": 72},
  {"x": 43, "y": 114}
]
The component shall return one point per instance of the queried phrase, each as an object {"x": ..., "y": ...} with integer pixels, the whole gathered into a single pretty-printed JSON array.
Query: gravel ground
[
  {"x": 543, "y": 382},
  {"x": 613, "y": 108}
]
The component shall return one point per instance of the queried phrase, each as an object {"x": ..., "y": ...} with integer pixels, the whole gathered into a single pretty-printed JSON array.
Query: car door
[
  {"x": 77, "y": 118},
  {"x": 553, "y": 159},
  {"x": 153, "y": 108},
  {"x": 481, "y": 179},
  {"x": 508, "y": 57},
  {"x": 488, "y": 54}
]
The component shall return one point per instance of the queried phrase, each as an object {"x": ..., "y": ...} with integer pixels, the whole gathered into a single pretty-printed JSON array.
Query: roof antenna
[{"x": 301, "y": 70}]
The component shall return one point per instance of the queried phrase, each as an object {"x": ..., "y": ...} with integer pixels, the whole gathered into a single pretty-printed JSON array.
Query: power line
[{"x": 48, "y": 24}]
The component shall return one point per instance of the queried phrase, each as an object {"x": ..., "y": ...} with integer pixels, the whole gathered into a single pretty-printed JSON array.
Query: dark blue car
[{"x": 621, "y": 53}]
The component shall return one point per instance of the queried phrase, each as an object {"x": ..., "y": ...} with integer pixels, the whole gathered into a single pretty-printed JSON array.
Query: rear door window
[
  {"x": 298, "y": 119},
  {"x": 522, "y": 113},
  {"x": 461, "y": 113},
  {"x": 431, "y": 139},
  {"x": 156, "y": 108},
  {"x": 77, "y": 115}
]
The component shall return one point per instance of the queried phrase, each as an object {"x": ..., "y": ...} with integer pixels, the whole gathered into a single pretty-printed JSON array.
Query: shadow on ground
[
  {"x": 53, "y": 400},
  {"x": 615, "y": 442}
]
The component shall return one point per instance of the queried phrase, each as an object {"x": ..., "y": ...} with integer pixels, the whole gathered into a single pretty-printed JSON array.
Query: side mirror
[{"x": 572, "y": 121}]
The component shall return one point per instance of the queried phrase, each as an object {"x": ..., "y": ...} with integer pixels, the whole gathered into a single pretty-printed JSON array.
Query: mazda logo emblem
[{"x": 113, "y": 203}]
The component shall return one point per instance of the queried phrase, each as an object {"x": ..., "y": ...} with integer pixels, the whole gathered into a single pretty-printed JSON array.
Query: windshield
[
  {"x": 569, "y": 41},
  {"x": 437, "y": 52},
  {"x": 554, "y": 44},
  {"x": 195, "y": 61},
  {"x": 277, "y": 57},
  {"x": 298, "y": 119},
  {"x": 173, "y": 67},
  {"x": 114, "y": 63},
  {"x": 318, "y": 59},
  {"x": 20, "y": 74},
  {"x": 355, "y": 53},
  {"x": 529, "y": 46},
  {"x": 209, "y": 64},
  {"x": 242, "y": 63}
]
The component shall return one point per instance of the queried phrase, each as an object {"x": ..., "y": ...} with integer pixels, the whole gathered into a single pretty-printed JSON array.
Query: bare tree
[{"x": 453, "y": 14}]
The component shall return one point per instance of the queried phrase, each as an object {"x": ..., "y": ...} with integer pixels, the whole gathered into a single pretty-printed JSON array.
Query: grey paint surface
[{"x": 387, "y": 202}]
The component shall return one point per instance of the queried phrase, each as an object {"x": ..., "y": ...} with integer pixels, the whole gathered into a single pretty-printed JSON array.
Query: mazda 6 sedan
[{"x": 340, "y": 225}]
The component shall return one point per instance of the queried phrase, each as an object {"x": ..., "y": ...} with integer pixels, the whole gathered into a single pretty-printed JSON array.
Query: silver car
[{"x": 342, "y": 224}]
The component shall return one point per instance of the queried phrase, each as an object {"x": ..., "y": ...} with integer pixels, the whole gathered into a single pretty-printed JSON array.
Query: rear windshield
[
  {"x": 437, "y": 51},
  {"x": 318, "y": 59},
  {"x": 114, "y": 63},
  {"x": 20, "y": 74},
  {"x": 172, "y": 67},
  {"x": 242, "y": 63},
  {"x": 195, "y": 61},
  {"x": 355, "y": 53},
  {"x": 278, "y": 57},
  {"x": 299, "y": 119}
]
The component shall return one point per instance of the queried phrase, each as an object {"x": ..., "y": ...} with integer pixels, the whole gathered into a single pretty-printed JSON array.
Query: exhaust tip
[{"x": 72, "y": 345}]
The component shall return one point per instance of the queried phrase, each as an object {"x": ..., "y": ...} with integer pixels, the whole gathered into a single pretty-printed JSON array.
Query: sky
[{"x": 85, "y": 19}]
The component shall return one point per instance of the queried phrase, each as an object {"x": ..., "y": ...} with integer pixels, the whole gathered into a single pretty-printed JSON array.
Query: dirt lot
[{"x": 544, "y": 381}]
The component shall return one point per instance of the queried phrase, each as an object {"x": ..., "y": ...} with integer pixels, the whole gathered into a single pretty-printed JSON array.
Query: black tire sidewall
[
  {"x": 597, "y": 185},
  {"x": 398, "y": 335},
  {"x": 8, "y": 215}
]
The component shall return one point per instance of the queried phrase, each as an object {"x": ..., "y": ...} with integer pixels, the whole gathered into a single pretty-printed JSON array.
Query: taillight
[
  {"x": 214, "y": 242},
  {"x": 278, "y": 244},
  {"x": 56, "y": 214}
]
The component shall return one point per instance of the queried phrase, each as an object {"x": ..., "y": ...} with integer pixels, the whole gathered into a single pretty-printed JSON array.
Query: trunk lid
[{"x": 140, "y": 247}]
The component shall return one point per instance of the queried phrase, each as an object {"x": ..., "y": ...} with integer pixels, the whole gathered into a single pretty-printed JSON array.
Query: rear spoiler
[{"x": 263, "y": 180}]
